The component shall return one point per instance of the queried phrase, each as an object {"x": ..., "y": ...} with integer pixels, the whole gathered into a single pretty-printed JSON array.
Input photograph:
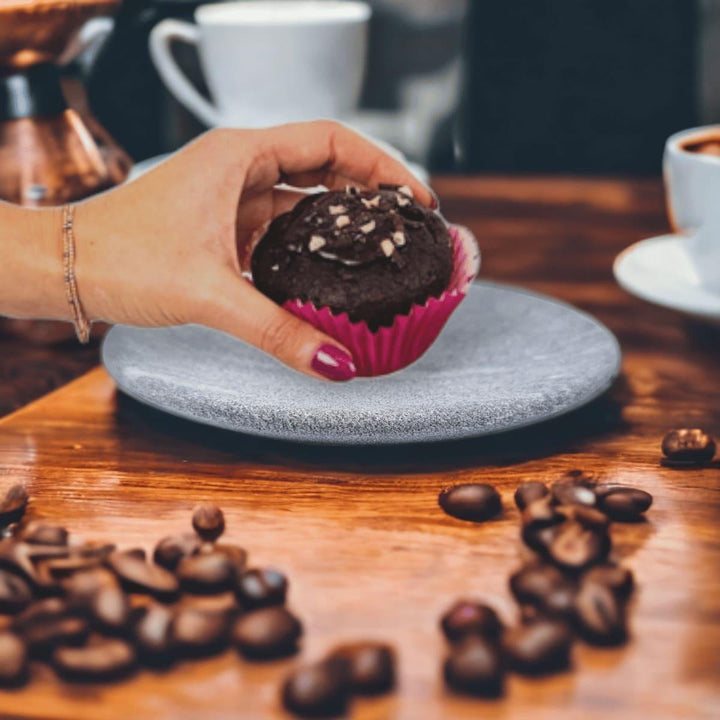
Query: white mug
[
  {"x": 692, "y": 181},
  {"x": 269, "y": 62}
]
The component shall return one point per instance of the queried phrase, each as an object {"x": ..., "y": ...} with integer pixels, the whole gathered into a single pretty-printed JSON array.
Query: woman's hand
[{"x": 169, "y": 247}]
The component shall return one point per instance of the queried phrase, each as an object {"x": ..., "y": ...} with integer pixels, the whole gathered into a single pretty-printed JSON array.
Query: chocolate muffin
[{"x": 371, "y": 254}]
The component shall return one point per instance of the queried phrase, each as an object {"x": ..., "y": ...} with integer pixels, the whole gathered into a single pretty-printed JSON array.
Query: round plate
[
  {"x": 658, "y": 270},
  {"x": 507, "y": 358}
]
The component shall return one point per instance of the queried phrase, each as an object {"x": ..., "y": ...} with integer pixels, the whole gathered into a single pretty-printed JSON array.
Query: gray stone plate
[{"x": 506, "y": 359}]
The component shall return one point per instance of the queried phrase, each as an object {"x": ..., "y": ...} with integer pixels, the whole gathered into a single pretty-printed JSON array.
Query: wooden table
[{"x": 360, "y": 534}]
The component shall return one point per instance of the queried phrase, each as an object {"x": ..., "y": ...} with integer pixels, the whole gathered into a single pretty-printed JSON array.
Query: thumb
[{"x": 239, "y": 309}]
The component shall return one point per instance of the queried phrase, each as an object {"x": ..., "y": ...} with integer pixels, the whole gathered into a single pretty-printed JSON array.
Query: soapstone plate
[{"x": 507, "y": 358}]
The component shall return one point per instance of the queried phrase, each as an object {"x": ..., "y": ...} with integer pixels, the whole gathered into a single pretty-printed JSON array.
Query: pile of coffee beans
[
  {"x": 688, "y": 447},
  {"x": 97, "y": 613},
  {"x": 569, "y": 588},
  {"x": 325, "y": 688}
]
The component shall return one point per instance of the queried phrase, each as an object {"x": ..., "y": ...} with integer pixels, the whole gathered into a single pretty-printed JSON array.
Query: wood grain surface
[{"x": 368, "y": 551}]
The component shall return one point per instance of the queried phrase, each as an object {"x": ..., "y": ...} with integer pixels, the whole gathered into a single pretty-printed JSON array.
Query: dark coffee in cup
[{"x": 708, "y": 145}]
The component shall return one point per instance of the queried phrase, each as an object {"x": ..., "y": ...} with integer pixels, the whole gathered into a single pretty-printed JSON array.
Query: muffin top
[{"x": 372, "y": 254}]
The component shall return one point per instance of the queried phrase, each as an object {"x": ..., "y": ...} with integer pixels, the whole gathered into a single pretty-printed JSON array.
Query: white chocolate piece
[
  {"x": 337, "y": 209},
  {"x": 402, "y": 202},
  {"x": 275, "y": 268},
  {"x": 372, "y": 202},
  {"x": 387, "y": 247},
  {"x": 405, "y": 190},
  {"x": 342, "y": 221},
  {"x": 316, "y": 242},
  {"x": 367, "y": 227},
  {"x": 399, "y": 238}
]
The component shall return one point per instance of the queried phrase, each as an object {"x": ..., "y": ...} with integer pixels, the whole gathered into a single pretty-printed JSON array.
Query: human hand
[{"x": 170, "y": 247}]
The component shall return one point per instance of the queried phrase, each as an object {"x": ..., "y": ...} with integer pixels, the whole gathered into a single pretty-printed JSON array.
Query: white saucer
[{"x": 658, "y": 270}]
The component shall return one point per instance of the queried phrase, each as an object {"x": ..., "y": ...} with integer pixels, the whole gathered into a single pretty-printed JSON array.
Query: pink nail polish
[
  {"x": 434, "y": 202},
  {"x": 333, "y": 363}
]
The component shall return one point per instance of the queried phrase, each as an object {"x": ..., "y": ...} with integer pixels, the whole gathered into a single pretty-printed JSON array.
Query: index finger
[{"x": 323, "y": 150}]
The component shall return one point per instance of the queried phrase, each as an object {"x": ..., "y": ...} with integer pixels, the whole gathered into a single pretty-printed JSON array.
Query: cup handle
[{"x": 160, "y": 38}]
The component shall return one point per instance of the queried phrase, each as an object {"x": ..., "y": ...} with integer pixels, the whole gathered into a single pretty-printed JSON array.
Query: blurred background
[
  {"x": 591, "y": 86},
  {"x": 548, "y": 85}
]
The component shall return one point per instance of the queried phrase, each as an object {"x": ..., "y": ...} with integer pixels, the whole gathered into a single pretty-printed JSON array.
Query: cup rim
[
  {"x": 673, "y": 142},
  {"x": 245, "y": 14}
]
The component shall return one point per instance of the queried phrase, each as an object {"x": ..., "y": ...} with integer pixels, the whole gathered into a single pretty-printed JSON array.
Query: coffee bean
[
  {"x": 688, "y": 446},
  {"x": 170, "y": 550},
  {"x": 235, "y": 555},
  {"x": 473, "y": 501},
  {"x": 318, "y": 690},
  {"x": 578, "y": 477},
  {"x": 575, "y": 547},
  {"x": 153, "y": 634},
  {"x": 64, "y": 567},
  {"x": 198, "y": 633},
  {"x": 261, "y": 587},
  {"x": 545, "y": 588},
  {"x": 538, "y": 648},
  {"x": 110, "y": 609},
  {"x": 208, "y": 521},
  {"x": 541, "y": 513},
  {"x": 600, "y": 614},
  {"x": 588, "y": 517},
  {"x": 136, "y": 552},
  {"x": 13, "y": 505},
  {"x": 538, "y": 538},
  {"x": 267, "y": 633},
  {"x": 43, "y": 636},
  {"x": 142, "y": 577},
  {"x": 37, "y": 533},
  {"x": 570, "y": 493},
  {"x": 92, "y": 549},
  {"x": 40, "y": 611},
  {"x": 81, "y": 586},
  {"x": 625, "y": 503},
  {"x": 205, "y": 573},
  {"x": 371, "y": 666},
  {"x": 15, "y": 593},
  {"x": 468, "y": 617},
  {"x": 475, "y": 667},
  {"x": 13, "y": 660},
  {"x": 528, "y": 492},
  {"x": 615, "y": 577},
  {"x": 14, "y": 556},
  {"x": 103, "y": 659}
]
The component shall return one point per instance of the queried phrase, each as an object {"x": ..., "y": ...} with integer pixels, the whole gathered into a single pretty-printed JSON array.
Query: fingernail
[
  {"x": 333, "y": 363},
  {"x": 434, "y": 202}
]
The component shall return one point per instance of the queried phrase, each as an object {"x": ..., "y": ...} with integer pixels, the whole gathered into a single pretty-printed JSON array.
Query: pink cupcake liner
[{"x": 392, "y": 348}]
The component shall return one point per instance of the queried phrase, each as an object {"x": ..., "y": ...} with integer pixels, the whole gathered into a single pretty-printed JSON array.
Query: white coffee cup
[
  {"x": 692, "y": 181},
  {"x": 269, "y": 62}
]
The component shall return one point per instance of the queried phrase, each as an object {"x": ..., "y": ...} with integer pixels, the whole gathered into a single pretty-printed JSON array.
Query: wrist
[{"x": 31, "y": 271}]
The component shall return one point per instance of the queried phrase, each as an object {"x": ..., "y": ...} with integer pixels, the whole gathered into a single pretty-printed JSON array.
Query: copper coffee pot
[{"x": 48, "y": 154}]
